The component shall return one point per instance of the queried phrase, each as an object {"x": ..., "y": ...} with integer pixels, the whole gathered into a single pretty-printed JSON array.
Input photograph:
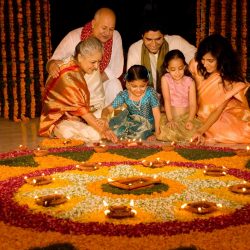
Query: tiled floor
[{"x": 13, "y": 134}]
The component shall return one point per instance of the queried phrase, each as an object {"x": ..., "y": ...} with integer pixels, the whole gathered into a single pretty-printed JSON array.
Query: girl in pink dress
[
  {"x": 222, "y": 104},
  {"x": 179, "y": 95}
]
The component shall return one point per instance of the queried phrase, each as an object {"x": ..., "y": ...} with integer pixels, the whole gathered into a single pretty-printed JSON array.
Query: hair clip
[
  {"x": 148, "y": 74},
  {"x": 125, "y": 76}
]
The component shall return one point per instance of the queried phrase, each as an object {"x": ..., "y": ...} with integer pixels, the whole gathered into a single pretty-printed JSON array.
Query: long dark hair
[
  {"x": 228, "y": 63},
  {"x": 174, "y": 54}
]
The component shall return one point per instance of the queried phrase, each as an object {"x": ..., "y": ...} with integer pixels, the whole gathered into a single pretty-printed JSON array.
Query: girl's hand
[
  {"x": 151, "y": 138},
  {"x": 189, "y": 125},
  {"x": 172, "y": 124},
  {"x": 109, "y": 135},
  {"x": 198, "y": 139}
]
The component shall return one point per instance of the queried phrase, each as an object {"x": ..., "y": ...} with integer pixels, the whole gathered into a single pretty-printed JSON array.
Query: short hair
[
  {"x": 88, "y": 46},
  {"x": 151, "y": 24}
]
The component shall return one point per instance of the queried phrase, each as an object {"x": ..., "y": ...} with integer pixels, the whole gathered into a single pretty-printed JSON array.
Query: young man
[{"x": 152, "y": 48}]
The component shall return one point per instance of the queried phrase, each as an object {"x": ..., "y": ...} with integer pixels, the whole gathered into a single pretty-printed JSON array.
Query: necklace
[{"x": 137, "y": 105}]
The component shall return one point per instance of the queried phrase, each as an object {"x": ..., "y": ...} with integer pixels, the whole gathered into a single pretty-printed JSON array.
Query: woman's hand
[
  {"x": 53, "y": 68},
  {"x": 198, "y": 139}
]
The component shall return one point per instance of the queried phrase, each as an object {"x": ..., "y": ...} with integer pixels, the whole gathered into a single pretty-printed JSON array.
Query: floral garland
[
  {"x": 230, "y": 19},
  {"x": 25, "y": 47}
]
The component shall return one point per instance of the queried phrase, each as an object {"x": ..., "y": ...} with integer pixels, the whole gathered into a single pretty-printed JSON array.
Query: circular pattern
[{"x": 165, "y": 226}]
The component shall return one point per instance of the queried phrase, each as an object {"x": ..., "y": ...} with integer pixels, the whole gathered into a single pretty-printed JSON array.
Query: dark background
[{"x": 178, "y": 17}]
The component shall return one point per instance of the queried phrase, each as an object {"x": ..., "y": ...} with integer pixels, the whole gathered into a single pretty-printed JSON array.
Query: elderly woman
[{"x": 66, "y": 110}]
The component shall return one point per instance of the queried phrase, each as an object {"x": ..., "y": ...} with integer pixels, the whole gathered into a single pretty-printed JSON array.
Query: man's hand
[{"x": 53, "y": 68}]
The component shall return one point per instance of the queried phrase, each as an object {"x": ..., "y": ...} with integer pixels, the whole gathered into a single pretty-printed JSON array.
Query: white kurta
[
  {"x": 101, "y": 94},
  {"x": 174, "y": 42}
]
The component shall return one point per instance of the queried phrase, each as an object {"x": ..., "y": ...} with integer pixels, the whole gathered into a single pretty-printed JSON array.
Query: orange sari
[
  {"x": 65, "y": 98},
  {"x": 233, "y": 125}
]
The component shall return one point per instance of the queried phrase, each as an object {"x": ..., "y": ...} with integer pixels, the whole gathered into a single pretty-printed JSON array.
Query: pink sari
[{"x": 233, "y": 126}]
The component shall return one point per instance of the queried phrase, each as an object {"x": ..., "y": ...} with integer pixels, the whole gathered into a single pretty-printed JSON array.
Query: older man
[
  {"x": 152, "y": 48},
  {"x": 104, "y": 84}
]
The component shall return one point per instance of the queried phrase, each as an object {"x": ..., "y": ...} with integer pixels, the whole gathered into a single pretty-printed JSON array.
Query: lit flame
[
  {"x": 34, "y": 181},
  {"x": 184, "y": 205},
  {"x": 219, "y": 205},
  {"x": 110, "y": 180},
  {"x": 105, "y": 203},
  {"x": 155, "y": 176},
  {"x": 244, "y": 189},
  {"x": 107, "y": 211},
  {"x": 131, "y": 203},
  {"x": 158, "y": 158},
  {"x": 199, "y": 209},
  {"x": 248, "y": 148},
  {"x": 68, "y": 197},
  {"x": 133, "y": 211}
]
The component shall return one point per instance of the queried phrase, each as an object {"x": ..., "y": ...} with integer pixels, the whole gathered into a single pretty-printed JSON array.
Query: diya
[
  {"x": 100, "y": 148},
  {"x": 137, "y": 182},
  {"x": 170, "y": 147},
  {"x": 243, "y": 152},
  {"x": 40, "y": 152},
  {"x": 88, "y": 166},
  {"x": 154, "y": 164},
  {"x": 39, "y": 180},
  {"x": 119, "y": 212},
  {"x": 200, "y": 207},
  {"x": 215, "y": 171},
  {"x": 130, "y": 142},
  {"x": 51, "y": 200},
  {"x": 243, "y": 188},
  {"x": 22, "y": 147},
  {"x": 67, "y": 142}
]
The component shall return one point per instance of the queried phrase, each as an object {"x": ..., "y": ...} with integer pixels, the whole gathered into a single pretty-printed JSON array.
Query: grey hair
[{"x": 88, "y": 46}]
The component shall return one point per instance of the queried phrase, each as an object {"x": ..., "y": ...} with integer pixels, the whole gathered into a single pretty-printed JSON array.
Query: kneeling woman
[{"x": 66, "y": 111}]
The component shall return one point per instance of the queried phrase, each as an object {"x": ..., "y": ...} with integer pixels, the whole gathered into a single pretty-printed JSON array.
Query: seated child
[
  {"x": 141, "y": 117},
  {"x": 179, "y": 95}
]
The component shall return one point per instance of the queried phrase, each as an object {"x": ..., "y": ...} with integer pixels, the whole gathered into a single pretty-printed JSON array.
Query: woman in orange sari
[
  {"x": 221, "y": 89},
  {"x": 66, "y": 110}
]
